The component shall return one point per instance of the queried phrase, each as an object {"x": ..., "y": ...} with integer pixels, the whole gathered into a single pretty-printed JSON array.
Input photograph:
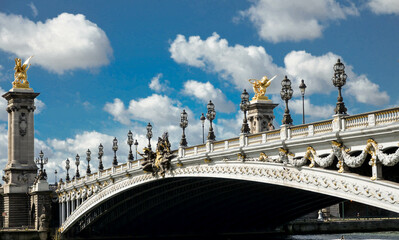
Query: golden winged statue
[
  {"x": 260, "y": 86},
  {"x": 20, "y": 76}
]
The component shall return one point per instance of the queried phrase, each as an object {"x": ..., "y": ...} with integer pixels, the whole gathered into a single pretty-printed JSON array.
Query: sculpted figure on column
[
  {"x": 20, "y": 76},
  {"x": 260, "y": 86}
]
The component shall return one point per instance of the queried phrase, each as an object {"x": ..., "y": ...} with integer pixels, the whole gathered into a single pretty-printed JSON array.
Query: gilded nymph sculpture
[
  {"x": 260, "y": 87},
  {"x": 20, "y": 76}
]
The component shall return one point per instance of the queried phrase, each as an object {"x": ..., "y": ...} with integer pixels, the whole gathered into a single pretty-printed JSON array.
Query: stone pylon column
[
  {"x": 260, "y": 115},
  {"x": 21, "y": 170}
]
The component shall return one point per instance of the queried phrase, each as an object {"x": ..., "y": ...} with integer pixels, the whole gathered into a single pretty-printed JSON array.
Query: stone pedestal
[
  {"x": 41, "y": 205},
  {"x": 260, "y": 114},
  {"x": 21, "y": 170}
]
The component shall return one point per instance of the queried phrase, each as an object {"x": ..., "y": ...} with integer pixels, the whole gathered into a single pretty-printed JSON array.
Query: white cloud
[
  {"x": 157, "y": 86},
  {"x": 366, "y": 91},
  {"x": 317, "y": 72},
  {"x": 313, "y": 111},
  {"x": 234, "y": 64},
  {"x": 118, "y": 111},
  {"x": 205, "y": 92},
  {"x": 35, "y": 12},
  {"x": 237, "y": 64},
  {"x": 287, "y": 20},
  {"x": 384, "y": 6},
  {"x": 64, "y": 43}
]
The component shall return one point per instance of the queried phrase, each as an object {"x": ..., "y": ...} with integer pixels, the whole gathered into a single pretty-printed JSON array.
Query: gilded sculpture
[
  {"x": 260, "y": 87},
  {"x": 158, "y": 162},
  {"x": 20, "y": 76}
]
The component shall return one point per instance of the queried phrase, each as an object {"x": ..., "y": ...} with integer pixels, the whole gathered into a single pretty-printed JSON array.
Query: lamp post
[
  {"x": 149, "y": 134},
  {"x": 55, "y": 176},
  {"x": 339, "y": 80},
  {"x": 203, "y": 122},
  {"x": 286, "y": 94},
  {"x": 100, "y": 157},
  {"x": 130, "y": 142},
  {"x": 41, "y": 161},
  {"x": 67, "y": 168},
  {"x": 135, "y": 145},
  {"x": 88, "y": 158},
  {"x": 115, "y": 148},
  {"x": 183, "y": 125},
  {"x": 77, "y": 162},
  {"x": 244, "y": 107},
  {"x": 211, "y": 116},
  {"x": 302, "y": 87}
]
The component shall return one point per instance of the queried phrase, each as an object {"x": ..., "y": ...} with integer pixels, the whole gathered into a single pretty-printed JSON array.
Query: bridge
[{"x": 254, "y": 181}]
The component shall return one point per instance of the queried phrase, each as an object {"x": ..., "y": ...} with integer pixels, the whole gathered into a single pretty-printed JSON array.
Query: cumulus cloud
[
  {"x": 236, "y": 64},
  {"x": 66, "y": 42},
  {"x": 205, "y": 92},
  {"x": 384, "y": 6},
  {"x": 317, "y": 72},
  {"x": 118, "y": 111},
  {"x": 313, "y": 111},
  {"x": 287, "y": 20},
  {"x": 158, "y": 86}
]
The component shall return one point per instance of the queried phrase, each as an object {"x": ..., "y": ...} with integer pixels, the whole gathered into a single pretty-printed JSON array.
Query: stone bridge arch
[{"x": 306, "y": 189}]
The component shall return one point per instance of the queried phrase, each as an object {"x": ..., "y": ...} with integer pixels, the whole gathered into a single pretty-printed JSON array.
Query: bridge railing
[{"x": 338, "y": 123}]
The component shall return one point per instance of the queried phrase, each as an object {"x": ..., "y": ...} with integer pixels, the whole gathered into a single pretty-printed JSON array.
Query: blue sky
[{"x": 104, "y": 67}]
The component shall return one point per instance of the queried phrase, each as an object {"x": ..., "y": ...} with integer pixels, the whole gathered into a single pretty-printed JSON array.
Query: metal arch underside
[{"x": 198, "y": 205}]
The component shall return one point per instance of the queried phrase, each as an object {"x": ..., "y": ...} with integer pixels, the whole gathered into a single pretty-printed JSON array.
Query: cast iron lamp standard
[
  {"x": 67, "y": 166},
  {"x": 135, "y": 145},
  {"x": 77, "y": 162},
  {"x": 203, "y": 122},
  {"x": 149, "y": 135},
  {"x": 130, "y": 143},
  {"x": 244, "y": 107},
  {"x": 100, "y": 157},
  {"x": 339, "y": 80},
  {"x": 115, "y": 148},
  {"x": 211, "y": 114},
  {"x": 183, "y": 125},
  {"x": 302, "y": 87},
  {"x": 55, "y": 176},
  {"x": 41, "y": 161},
  {"x": 286, "y": 94},
  {"x": 88, "y": 158}
]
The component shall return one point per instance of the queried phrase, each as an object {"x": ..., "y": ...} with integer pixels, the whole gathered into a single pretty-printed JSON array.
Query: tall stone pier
[
  {"x": 260, "y": 115},
  {"x": 21, "y": 170}
]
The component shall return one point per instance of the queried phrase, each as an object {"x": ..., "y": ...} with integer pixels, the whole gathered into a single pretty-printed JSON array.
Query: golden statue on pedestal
[
  {"x": 260, "y": 87},
  {"x": 20, "y": 76}
]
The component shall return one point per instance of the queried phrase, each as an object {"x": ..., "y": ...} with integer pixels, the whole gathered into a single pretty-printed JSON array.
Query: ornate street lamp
[
  {"x": 183, "y": 125},
  {"x": 302, "y": 87},
  {"x": 77, "y": 162},
  {"x": 67, "y": 168},
  {"x": 55, "y": 175},
  {"x": 211, "y": 114},
  {"x": 135, "y": 145},
  {"x": 339, "y": 80},
  {"x": 286, "y": 94},
  {"x": 100, "y": 157},
  {"x": 244, "y": 105},
  {"x": 149, "y": 134},
  {"x": 203, "y": 122},
  {"x": 88, "y": 158},
  {"x": 41, "y": 161},
  {"x": 115, "y": 148},
  {"x": 130, "y": 142}
]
